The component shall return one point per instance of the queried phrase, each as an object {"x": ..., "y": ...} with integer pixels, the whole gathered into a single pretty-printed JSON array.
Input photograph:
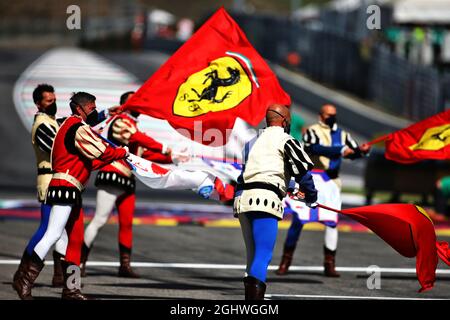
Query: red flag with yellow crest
[
  {"x": 427, "y": 139},
  {"x": 210, "y": 80}
]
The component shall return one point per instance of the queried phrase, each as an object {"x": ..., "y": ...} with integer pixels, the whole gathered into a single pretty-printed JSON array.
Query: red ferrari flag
[
  {"x": 409, "y": 230},
  {"x": 427, "y": 139},
  {"x": 213, "y": 78}
]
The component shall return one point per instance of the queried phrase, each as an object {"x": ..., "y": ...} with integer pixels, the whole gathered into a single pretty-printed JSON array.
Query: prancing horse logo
[
  {"x": 221, "y": 86},
  {"x": 433, "y": 138}
]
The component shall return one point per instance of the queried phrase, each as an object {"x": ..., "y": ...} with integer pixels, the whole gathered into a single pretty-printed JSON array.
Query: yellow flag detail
[
  {"x": 422, "y": 211},
  {"x": 433, "y": 139},
  {"x": 223, "y": 85}
]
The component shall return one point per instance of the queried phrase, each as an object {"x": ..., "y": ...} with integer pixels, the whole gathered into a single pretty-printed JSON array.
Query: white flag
[{"x": 157, "y": 177}]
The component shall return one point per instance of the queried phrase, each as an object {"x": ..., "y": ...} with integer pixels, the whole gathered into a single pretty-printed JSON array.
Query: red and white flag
[{"x": 203, "y": 183}]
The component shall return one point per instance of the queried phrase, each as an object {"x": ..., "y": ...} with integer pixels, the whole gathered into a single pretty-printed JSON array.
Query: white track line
[
  {"x": 230, "y": 266},
  {"x": 308, "y": 296}
]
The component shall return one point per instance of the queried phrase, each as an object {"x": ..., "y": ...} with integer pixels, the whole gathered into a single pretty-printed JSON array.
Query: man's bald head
[
  {"x": 278, "y": 115},
  {"x": 328, "y": 109}
]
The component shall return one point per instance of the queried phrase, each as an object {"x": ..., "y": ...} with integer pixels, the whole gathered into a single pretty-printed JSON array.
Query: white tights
[
  {"x": 331, "y": 238},
  {"x": 59, "y": 215},
  {"x": 106, "y": 199},
  {"x": 61, "y": 244}
]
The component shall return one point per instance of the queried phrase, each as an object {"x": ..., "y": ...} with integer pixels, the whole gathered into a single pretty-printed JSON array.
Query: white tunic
[{"x": 267, "y": 161}]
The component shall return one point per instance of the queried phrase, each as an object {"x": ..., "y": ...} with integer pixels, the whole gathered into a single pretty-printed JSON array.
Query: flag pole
[
  {"x": 328, "y": 208},
  {"x": 379, "y": 139}
]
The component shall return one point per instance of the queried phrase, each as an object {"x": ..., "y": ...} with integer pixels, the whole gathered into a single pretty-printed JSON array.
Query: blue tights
[
  {"x": 294, "y": 231},
  {"x": 260, "y": 234},
  {"x": 45, "y": 215}
]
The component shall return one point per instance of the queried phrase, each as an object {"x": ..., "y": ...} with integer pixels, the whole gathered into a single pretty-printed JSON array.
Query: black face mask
[
  {"x": 92, "y": 118},
  {"x": 287, "y": 128},
  {"x": 330, "y": 121},
  {"x": 51, "y": 109}
]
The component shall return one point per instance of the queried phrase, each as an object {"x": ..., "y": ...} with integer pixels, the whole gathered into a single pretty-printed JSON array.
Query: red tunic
[
  {"x": 77, "y": 150},
  {"x": 123, "y": 131}
]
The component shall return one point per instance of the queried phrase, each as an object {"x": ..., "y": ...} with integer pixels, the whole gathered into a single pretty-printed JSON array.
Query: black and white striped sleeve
[
  {"x": 349, "y": 141},
  {"x": 45, "y": 134},
  {"x": 298, "y": 161},
  {"x": 310, "y": 137}
]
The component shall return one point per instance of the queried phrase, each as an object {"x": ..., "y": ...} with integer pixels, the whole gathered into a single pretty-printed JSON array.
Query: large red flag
[
  {"x": 213, "y": 78},
  {"x": 409, "y": 230},
  {"x": 427, "y": 139}
]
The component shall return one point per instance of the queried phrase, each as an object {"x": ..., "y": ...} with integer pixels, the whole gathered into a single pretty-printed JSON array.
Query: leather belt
[
  {"x": 67, "y": 177},
  {"x": 260, "y": 185},
  {"x": 125, "y": 170}
]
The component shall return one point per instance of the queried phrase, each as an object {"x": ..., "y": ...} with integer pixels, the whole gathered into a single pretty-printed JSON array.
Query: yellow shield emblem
[
  {"x": 433, "y": 139},
  {"x": 220, "y": 86}
]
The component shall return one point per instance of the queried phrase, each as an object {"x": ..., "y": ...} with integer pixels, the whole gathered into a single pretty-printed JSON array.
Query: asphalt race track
[{"x": 195, "y": 262}]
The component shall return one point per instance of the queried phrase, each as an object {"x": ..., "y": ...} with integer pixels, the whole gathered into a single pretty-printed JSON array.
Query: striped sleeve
[
  {"x": 310, "y": 137},
  {"x": 349, "y": 141},
  {"x": 298, "y": 161},
  {"x": 45, "y": 134},
  {"x": 88, "y": 143},
  {"x": 352, "y": 144}
]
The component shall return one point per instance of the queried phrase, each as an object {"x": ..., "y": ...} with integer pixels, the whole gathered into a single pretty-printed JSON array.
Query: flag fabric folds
[
  {"x": 443, "y": 251},
  {"x": 210, "y": 80},
  {"x": 409, "y": 230},
  {"x": 203, "y": 183},
  {"x": 427, "y": 139}
]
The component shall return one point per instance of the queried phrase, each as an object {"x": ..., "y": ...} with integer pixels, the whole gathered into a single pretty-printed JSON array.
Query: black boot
[
  {"x": 125, "y": 269},
  {"x": 329, "y": 263},
  {"x": 254, "y": 288},
  {"x": 71, "y": 288},
  {"x": 26, "y": 275},
  {"x": 84, "y": 257},
  {"x": 58, "y": 278},
  {"x": 286, "y": 260}
]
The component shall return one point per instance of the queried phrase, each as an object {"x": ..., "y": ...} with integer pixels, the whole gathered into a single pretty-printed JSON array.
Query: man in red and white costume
[
  {"x": 77, "y": 150},
  {"x": 116, "y": 186}
]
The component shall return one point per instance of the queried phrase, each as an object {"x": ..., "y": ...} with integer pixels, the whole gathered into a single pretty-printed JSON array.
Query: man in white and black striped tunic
[
  {"x": 43, "y": 133},
  {"x": 327, "y": 144}
]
